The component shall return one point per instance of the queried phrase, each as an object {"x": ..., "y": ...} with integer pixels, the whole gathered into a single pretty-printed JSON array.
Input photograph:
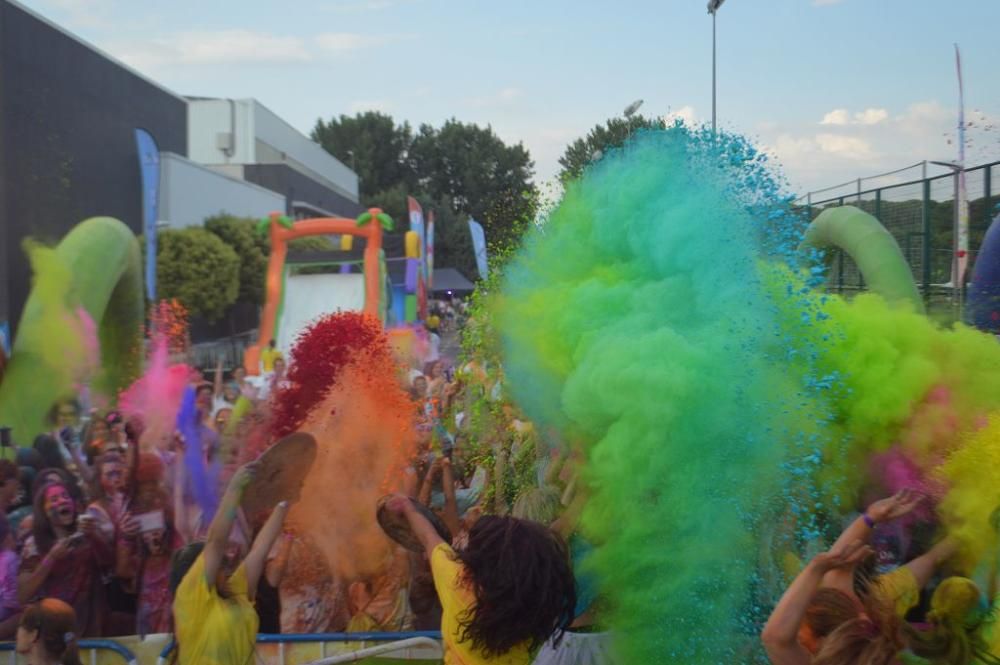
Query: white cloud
[
  {"x": 836, "y": 117},
  {"x": 208, "y": 47},
  {"x": 841, "y": 117},
  {"x": 875, "y": 141},
  {"x": 685, "y": 114},
  {"x": 849, "y": 147},
  {"x": 870, "y": 116}
]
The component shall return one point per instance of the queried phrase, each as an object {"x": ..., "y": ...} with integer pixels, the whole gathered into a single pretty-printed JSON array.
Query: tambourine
[{"x": 397, "y": 527}]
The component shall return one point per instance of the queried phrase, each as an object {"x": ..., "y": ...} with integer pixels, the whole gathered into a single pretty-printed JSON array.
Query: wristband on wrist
[{"x": 869, "y": 522}]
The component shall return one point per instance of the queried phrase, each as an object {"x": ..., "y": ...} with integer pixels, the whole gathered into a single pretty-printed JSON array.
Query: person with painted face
[
  {"x": 147, "y": 562},
  {"x": 110, "y": 504},
  {"x": 64, "y": 558},
  {"x": 215, "y": 622},
  {"x": 110, "y": 512},
  {"x": 47, "y": 634}
]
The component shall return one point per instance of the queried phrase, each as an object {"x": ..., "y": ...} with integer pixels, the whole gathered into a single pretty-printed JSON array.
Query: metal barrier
[
  {"x": 396, "y": 641},
  {"x": 382, "y": 649},
  {"x": 93, "y": 646},
  {"x": 920, "y": 214}
]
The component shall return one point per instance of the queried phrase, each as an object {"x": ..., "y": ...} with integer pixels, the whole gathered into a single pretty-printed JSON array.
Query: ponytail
[
  {"x": 957, "y": 611},
  {"x": 71, "y": 656}
]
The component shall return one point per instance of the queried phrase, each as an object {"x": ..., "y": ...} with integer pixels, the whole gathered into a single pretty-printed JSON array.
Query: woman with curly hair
[{"x": 502, "y": 596}]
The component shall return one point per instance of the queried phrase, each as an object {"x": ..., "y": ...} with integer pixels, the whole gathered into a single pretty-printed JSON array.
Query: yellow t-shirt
[
  {"x": 268, "y": 356},
  {"x": 898, "y": 589},
  {"x": 456, "y": 597},
  {"x": 212, "y": 630}
]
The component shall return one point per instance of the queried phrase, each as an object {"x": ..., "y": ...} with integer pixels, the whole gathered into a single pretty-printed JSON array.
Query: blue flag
[
  {"x": 149, "y": 170},
  {"x": 479, "y": 247}
]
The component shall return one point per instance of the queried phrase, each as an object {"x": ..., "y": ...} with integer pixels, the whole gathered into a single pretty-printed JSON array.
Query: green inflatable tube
[
  {"x": 105, "y": 265},
  {"x": 873, "y": 249}
]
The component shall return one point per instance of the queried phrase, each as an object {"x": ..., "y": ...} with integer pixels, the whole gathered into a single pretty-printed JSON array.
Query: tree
[
  {"x": 200, "y": 270},
  {"x": 478, "y": 174},
  {"x": 600, "y": 140},
  {"x": 459, "y": 170},
  {"x": 380, "y": 149},
  {"x": 251, "y": 247}
]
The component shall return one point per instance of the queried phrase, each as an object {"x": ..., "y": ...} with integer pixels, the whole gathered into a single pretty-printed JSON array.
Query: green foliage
[
  {"x": 251, "y": 248},
  {"x": 459, "y": 170},
  {"x": 200, "y": 270},
  {"x": 312, "y": 244},
  {"x": 380, "y": 149},
  {"x": 479, "y": 174},
  {"x": 600, "y": 140}
]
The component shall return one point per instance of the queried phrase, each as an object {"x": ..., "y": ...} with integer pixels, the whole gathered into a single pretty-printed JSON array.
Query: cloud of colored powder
[
  {"x": 364, "y": 431},
  {"x": 731, "y": 412},
  {"x": 64, "y": 352},
  {"x": 637, "y": 317}
]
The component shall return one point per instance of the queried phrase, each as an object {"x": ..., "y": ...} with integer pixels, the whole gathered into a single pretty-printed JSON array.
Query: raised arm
[
  {"x": 780, "y": 634},
  {"x": 565, "y": 525},
  {"x": 884, "y": 510},
  {"x": 217, "y": 383},
  {"x": 924, "y": 566},
  {"x": 274, "y": 569},
  {"x": 450, "y": 513},
  {"x": 222, "y": 523},
  {"x": 262, "y": 544},
  {"x": 29, "y": 582},
  {"x": 427, "y": 487}
]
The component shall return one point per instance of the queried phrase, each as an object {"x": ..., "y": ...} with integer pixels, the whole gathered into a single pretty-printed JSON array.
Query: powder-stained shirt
[
  {"x": 212, "y": 630},
  {"x": 456, "y": 598},
  {"x": 76, "y": 580},
  {"x": 898, "y": 590}
]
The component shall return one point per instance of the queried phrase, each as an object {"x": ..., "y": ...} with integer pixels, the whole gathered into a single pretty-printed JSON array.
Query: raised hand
[
  {"x": 842, "y": 556},
  {"x": 244, "y": 476},
  {"x": 399, "y": 504},
  {"x": 899, "y": 504}
]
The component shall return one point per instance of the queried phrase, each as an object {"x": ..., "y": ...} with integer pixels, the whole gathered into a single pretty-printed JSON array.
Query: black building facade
[{"x": 67, "y": 146}]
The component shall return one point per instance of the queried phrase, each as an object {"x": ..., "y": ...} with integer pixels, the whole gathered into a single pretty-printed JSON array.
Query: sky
[{"x": 833, "y": 89}]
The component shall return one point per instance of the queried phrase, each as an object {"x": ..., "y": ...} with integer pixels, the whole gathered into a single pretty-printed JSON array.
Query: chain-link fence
[{"x": 920, "y": 214}]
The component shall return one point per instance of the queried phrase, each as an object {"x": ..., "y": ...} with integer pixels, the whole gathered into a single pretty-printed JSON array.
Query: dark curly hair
[{"x": 521, "y": 576}]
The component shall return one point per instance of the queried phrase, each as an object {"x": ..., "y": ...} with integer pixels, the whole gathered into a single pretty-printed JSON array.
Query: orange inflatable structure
[{"x": 281, "y": 230}]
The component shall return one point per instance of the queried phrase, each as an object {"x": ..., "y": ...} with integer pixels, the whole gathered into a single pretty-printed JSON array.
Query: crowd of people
[
  {"x": 101, "y": 537},
  {"x": 104, "y": 529}
]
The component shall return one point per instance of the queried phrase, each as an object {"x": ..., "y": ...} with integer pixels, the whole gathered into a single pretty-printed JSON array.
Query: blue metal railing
[
  {"x": 85, "y": 645},
  {"x": 299, "y": 638}
]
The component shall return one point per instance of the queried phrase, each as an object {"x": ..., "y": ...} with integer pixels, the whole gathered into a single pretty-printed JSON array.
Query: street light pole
[
  {"x": 628, "y": 113},
  {"x": 713, "y": 7}
]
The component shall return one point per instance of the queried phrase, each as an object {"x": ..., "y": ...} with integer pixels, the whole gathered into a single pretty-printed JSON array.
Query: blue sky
[{"x": 835, "y": 89}]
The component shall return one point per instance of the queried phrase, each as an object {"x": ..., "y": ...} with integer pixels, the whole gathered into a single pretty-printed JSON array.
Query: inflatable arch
[
  {"x": 872, "y": 248},
  {"x": 369, "y": 225},
  {"x": 104, "y": 261}
]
